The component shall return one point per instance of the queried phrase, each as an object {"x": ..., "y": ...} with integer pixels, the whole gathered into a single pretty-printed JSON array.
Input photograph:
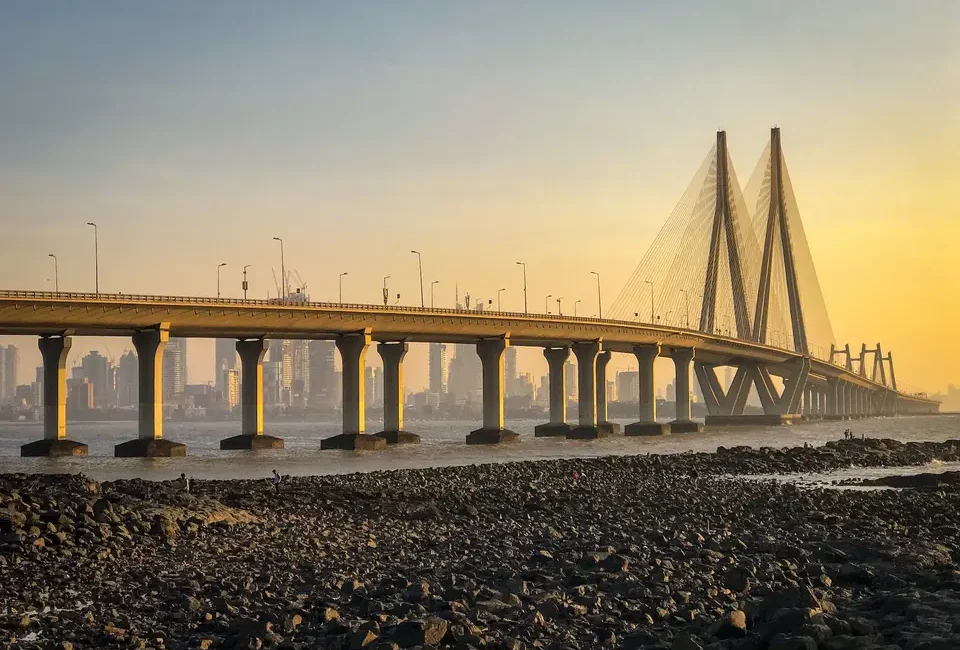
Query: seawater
[{"x": 442, "y": 444}]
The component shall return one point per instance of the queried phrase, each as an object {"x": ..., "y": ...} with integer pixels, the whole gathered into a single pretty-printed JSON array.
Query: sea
[{"x": 442, "y": 444}]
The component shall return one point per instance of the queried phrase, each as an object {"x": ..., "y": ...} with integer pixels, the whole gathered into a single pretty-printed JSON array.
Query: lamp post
[
  {"x": 283, "y": 272},
  {"x": 686, "y": 306},
  {"x": 651, "y": 299},
  {"x": 420, "y": 265},
  {"x": 386, "y": 294},
  {"x": 56, "y": 273},
  {"x": 559, "y": 306},
  {"x": 524, "y": 265},
  {"x": 546, "y": 303},
  {"x": 96, "y": 255},
  {"x": 576, "y": 302},
  {"x": 499, "y": 292},
  {"x": 245, "y": 285},
  {"x": 432, "y": 285},
  {"x": 599, "y": 301},
  {"x": 219, "y": 266},
  {"x": 341, "y": 286}
]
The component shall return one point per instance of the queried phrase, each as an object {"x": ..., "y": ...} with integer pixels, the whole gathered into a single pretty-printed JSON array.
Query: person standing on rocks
[
  {"x": 184, "y": 482},
  {"x": 276, "y": 481}
]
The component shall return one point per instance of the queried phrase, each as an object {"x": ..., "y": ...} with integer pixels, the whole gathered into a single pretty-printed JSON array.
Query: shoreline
[{"x": 643, "y": 551}]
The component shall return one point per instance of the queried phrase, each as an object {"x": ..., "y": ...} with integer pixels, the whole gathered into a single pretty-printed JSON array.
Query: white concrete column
[
  {"x": 833, "y": 397},
  {"x": 586, "y": 353},
  {"x": 602, "y": 360},
  {"x": 491, "y": 360},
  {"x": 392, "y": 355},
  {"x": 353, "y": 355},
  {"x": 150, "y": 345},
  {"x": 54, "y": 351},
  {"x": 251, "y": 354},
  {"x": 682, "y": 358},
  {"x": 646, "y": 355},
  {"x": 556, "y": 359}
]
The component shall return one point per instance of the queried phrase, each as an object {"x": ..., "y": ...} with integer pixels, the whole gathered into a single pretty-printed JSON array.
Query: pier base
[
  {"x": 491, "y": 436},
  {"x": 353, "y": 442},
  {"x": 588, "y": 433},
  {"x": 685, "y": 426},
  {"x": 252, "y": 442},
  {"x": 149, "y": 448},
  {"x": 53, "y": 448},
  {"x": 610, "y": 428},
  {"x": 647, "y": 429},
  {"x": 399, "y": 437},
  {"x": 551, "y": 430},
  {"x": 749, "y": 420},
  {"x": 833, "y": 418}
]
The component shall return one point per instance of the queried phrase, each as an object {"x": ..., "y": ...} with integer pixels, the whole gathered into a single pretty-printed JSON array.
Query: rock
[
  {"x": 733, "y": 625},
  {"x": 736, "y": 579},
  {"x": 783, "y": 642},
  {"x": 416, "y": 633}
]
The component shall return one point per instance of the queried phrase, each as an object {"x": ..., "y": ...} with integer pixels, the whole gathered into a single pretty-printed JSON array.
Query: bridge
[{"x": 746, "y": 272}]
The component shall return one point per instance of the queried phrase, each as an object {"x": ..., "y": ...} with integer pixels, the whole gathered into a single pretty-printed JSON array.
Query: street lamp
[
  {"x": 341, "y": 286},
  {"x": 546, "y": 302},
  {"x": 576, "y": 302},
  {"x": 559, "y": 310},
  {"x": 56, "y": 273},
  {"x": 283, "y": 272},
  {"x": 499, "y": 291},
  {"x": 599, "y": 302},
  {"x": 386, "y": 294},
  {"x": 96, "y": 254},
  {"x": 651, "y": 299},
  {"x": 245, "y": 285},
  {"x": 219, "y": 266},
  {"x": 432, "y": 285},
  {"x": 524, "y": 265},
  {"x": 686, "y": 305},
  {"x": 420, "y": 265}
]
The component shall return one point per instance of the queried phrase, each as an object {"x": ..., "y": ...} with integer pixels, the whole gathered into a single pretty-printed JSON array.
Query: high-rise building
[
  {"x": 225, "y": 358},
  {"x": 465, "y": 377},
  {"x": 285, "y": 357},
  {"x": 300, "y": 358},
  {"x": 570, "y": 379},
  {"x": 628, "y": 386},
  {"x": 510, "y": 371},
  {"x": 323, "y": 384},
  {"x": 97, "y": 370},
  {"x": 3, "y": 375},
  {"x": 368, "y": 390},
  {"x": 271, "y": 383},
  {"x": 128, "y": 380},
  {"x": 39, "y": 384},
  {"x": 231, "y": 382},
  {"x": 377, "y": 376},
  {"x": 438, "y": 368},
  {"x": 11, "y": 367},
  {"x": 175, "y": 367}
]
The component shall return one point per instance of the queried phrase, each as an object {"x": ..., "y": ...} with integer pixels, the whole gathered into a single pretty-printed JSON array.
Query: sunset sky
[{"x": 558, "y": 133}]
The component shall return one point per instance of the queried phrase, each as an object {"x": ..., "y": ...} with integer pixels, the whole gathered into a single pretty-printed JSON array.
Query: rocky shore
[{"x": 678, "y": 552}]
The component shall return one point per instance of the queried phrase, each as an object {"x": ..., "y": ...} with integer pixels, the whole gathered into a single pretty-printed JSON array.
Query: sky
[{"x": 558, "y": 133}]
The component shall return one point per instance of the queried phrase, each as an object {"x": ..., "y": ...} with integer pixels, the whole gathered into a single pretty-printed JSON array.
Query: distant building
[
  {"x": 465, "y": 376},
  {"x": 80, "y": 397},
  {"x": 271, "y": 383},
  {"x": 438, "y": 368},
  {"x": 510, "y": 371},
  {"x": 368, "y": 390},
  {"x": 128, "y": 380},
  {"x": 570, "y": 378},
  {"x": 98, "y": 371},
  {"x": 175, "y": 367},
  {"x": 39, "y": 384},
  {"x": 231, "y": 383},
  {"x": 628, "y": 386},
  {"x": 225, "y": 358},
  {"x": 323, "y": 381},
  {"x": 9, "y": 368}
]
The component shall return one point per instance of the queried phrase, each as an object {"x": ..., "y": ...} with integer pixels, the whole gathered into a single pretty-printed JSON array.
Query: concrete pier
[
  {"x": 586, "y": 353},
  {"x": 150, "y": 442},
  {"x": 353, "y": 356},
  {"x": 251, "y": 436},
  {"x": 54, "y": 351},
  {"x": 682, "y": 358},
  {"x": 647, "y": 425},
  {"x": 604, "y": 426},
  {"x": 392, "y": 355},
  {"x": 490, "y": 352},
  {"x": 557, "y": 426}
]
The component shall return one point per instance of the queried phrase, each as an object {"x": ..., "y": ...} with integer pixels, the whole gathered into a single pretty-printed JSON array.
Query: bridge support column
[
  {"x": 682, "y": 358},
  {"x": 150, "y": 443},
  {"x": 647, "y": 425},
  {"x": 557, "y": 426},
  {"x": 603, "y": 424},
  {"x": 251, "y": 436},
  {"x": 491, "y": 360},
  {"x": 586, "y": 353},
  {"x": 353, "y": 356},
  {"x": 54, "y": 351},
  {"x": 832, "y": 398},
  {"x": 392, "y": 355}
]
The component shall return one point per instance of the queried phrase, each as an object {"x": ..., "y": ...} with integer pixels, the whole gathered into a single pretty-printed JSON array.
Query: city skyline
[{"x": 573, "y": 144}]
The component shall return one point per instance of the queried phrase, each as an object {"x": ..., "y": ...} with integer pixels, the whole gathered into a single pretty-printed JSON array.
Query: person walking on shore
[{"x": 276, "y": 481}]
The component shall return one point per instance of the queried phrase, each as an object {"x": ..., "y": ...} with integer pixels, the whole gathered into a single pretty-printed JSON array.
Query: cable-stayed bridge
[{"x": 728, "y": 282}]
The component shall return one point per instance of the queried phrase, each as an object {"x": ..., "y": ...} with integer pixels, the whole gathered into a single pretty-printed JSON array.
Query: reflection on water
[{"x": 442, "y": 444}]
